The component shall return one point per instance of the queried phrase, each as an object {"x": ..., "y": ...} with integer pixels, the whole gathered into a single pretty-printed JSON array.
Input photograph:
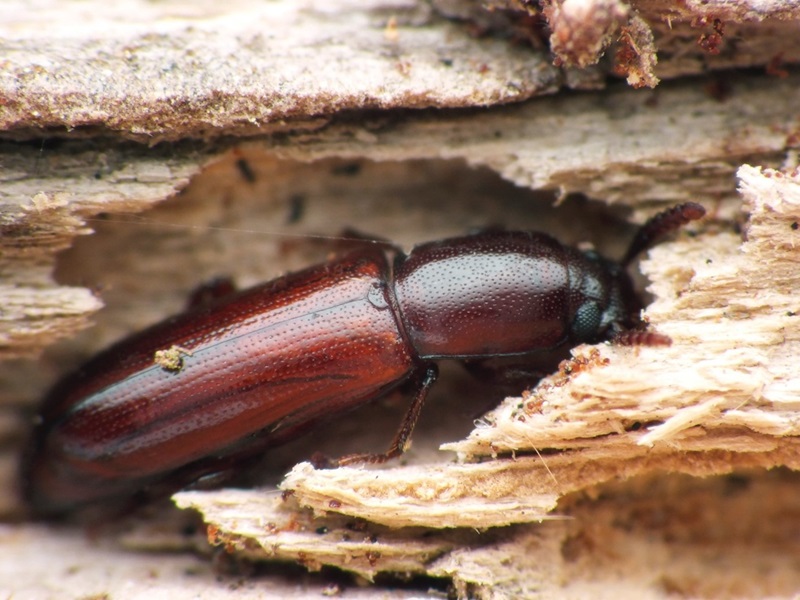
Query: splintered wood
[
  {"x": 587, "y": 486},
  {"x": 36, "y": 224},
  {"x": 723, "y": 398},
  {"x": 731, "y": 309}
]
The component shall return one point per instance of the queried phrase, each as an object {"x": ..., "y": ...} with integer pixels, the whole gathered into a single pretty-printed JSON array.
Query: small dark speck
[
  {"x": 246, "y": 170},
  {"x": 430, "y": 533},
  {"x": 322, "y": 530},
  {"x": 794, "y": 226},
  {"x": 98, "y": 175},
  {"x": 356, "y": 526},
  {"x": 348, "y": 169},
  {"x": 447, "y": 62},
  {"x": 709, "y": 261},
  {"x": 636, "y": 426},
  {"x": 719, "y": 90},
  {"x": 791, "y": 313},
  {"x": 297, "y": 206},
  {"x": 737, "y": 483},
  {"x": 498, "y": 134}
]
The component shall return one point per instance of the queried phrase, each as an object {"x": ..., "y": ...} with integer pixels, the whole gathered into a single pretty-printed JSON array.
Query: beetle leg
[
  {"x": 211, "y": 290},
  {"x": 401, "y": 439},
  {"x": 344, "y": 241},
  {"x": 633, "y": 337},
  {"x": 353, "y": 238},
  {"x": 492, "y": 228}
]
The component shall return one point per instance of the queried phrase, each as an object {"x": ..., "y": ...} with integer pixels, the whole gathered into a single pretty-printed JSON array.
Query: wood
[{"x": 115, "y": 108}]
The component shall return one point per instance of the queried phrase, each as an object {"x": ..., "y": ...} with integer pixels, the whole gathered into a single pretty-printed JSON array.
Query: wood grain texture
[{"x": 114, "y": 109}]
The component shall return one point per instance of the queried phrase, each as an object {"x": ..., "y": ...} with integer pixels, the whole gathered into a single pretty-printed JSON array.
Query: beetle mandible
[{"x": 206, "y": 389}]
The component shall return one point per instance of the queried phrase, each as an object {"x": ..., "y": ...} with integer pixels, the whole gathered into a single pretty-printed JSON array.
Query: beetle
[{"x": 214, "y": 386}]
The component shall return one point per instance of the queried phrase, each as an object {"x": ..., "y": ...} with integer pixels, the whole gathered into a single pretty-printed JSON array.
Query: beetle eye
[{"x": 586, "y": 322}]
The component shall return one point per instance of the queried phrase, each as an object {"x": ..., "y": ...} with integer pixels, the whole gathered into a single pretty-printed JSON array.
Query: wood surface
[{"x": 147, "y": 147}]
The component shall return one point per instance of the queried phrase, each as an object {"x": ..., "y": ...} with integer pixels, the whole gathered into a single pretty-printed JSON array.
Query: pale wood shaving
[{"x": 263, "y": 526}]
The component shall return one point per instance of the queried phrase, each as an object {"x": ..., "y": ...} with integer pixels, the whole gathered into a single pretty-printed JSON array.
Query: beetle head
[{"x": 604, "y": 302}]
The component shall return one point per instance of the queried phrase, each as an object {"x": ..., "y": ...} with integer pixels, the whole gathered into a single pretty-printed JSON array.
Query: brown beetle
[{"x": 209, "y": 388}]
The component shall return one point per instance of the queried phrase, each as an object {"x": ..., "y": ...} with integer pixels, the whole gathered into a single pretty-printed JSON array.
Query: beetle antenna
[{"x": 660, "y": 225}]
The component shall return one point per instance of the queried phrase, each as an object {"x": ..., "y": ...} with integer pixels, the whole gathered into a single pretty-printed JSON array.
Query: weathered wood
[{"x": 312, "y": 96}]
